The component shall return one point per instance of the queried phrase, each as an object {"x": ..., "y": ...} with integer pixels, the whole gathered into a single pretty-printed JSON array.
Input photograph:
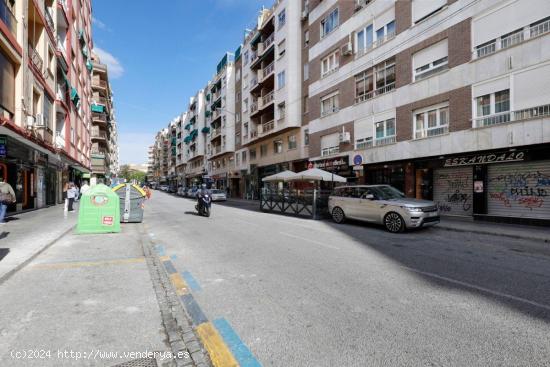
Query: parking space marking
[
  {"x": 238, "y": 348},
  {"x": 191, "y": 281},
  {"x": 217, "y": 350}
]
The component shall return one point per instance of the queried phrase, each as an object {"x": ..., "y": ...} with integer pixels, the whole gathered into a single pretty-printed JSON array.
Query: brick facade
[{"x": 315, "y": 139}]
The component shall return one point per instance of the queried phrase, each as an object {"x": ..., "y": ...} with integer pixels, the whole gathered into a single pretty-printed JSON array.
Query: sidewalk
[
  {"x": 536, "y": 233},
  {"x": 26, "y": 235}
]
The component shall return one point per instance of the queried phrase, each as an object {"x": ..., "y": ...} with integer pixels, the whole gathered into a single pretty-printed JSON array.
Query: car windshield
[{"x": 387, "y": 193}]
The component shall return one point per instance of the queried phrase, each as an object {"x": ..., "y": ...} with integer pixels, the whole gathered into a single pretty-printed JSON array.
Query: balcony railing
[
  {"x": 512, "y": 39},
  {"x": 540, "y": 28},
  {"x": 364, "y": 144},
  {"x": 267, "y": 99},
  {"x": 329, "y": 151},
  {"x": 266, "y": 127},
  {"x": 253, "y": 107},
  {"x": 35, "y": 57},
  {"x": 486, "y": 49},
  {"x": 253, "y": 83},
  {"x": 504, "y": 117},
  {"x": 100, "y": 100},
  {"x": 435, "y": 131},
  {"x": 379, "y": 42},
  {"x": 253, "y": 134},
  {"x": 268, "y": 69},
  {"x": 215, "y": 133},
  {"x": 49, "y": 20},
  {"x": 384, "y": 141},
  {"x": 99, "y": 83},
  {"x": 7, "y": 16},
  {"x": 269, "y": 41},
  {"x": 99, "y": 116},
  {"x": 374, "y": 93}
]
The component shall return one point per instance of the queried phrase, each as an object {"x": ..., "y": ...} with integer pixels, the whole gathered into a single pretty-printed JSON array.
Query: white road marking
[
  {"x": 482, "y": 289},
  {"x": 309, "y": 240}
]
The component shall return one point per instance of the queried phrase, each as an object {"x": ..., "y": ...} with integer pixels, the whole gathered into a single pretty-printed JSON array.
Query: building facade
[{"x": 45, "y": 97}]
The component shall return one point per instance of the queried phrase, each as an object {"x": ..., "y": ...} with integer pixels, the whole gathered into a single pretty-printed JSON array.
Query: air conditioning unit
[
  {"x": 347, "y": 49},
  {"x": 39, "y": 122},
  {"x": 345, "y": 137}
]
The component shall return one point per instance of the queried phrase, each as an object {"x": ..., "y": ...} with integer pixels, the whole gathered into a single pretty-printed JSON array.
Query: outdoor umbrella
[
  {"x": 278, "y": 177},
  {"x": 316, "y": 174}
]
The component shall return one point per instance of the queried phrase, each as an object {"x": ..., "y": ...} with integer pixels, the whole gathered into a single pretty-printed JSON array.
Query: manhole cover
[{"x": 141, "y": 362}]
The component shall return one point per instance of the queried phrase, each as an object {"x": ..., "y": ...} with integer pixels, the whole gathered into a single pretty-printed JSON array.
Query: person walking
[
  {"x": 7, "y": 197},
  {"x": 72, "y": 192},
  {"x": 85, "y": 187}
]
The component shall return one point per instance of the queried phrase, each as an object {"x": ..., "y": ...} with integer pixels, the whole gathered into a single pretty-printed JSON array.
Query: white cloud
[
  {"x": 114, "y": 66},
  {"x": 99, "y": 24}
]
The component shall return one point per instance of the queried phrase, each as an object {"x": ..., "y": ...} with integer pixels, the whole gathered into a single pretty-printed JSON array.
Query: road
[{"x": 312, "y": 293}]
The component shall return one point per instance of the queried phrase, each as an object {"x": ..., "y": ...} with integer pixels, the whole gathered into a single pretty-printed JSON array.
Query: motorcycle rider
[{"x": 202, "y": 191}]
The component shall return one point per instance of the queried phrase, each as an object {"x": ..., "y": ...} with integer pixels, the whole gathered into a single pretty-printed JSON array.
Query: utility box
[
  {"x": 132, "y": 201},
  {"x": 99, "y": 211}
]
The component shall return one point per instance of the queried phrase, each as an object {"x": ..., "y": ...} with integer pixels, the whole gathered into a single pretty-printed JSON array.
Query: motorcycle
[{"x": 204, "y": 205}]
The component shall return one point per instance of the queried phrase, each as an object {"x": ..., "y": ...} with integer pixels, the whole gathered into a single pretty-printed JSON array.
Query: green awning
[
  {"x": 89, "y": 65},
  {"x": 205, "y": 130},
  {"x": 85, "y": 51},
  {"x": 74, "y": 96},
  {"x": 208, "y": 97},
  {"x": 192, "y": 120},
  {"x": 98, "y": 108},
  {"x": 207, "y": 113}
]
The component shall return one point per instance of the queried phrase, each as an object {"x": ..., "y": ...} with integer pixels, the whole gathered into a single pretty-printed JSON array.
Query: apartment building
[
  {"x": 273, "y": 76},
  {"x": 104, "y": 152},
  {"x": 45, "y": 97},
  {"x": 447, "y": 100},
  {"x": 151, "y": 164},
  {"x": 195, "y": 139}
]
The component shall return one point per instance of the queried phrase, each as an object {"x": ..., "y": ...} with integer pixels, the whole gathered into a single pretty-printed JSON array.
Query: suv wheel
[
  {"x": 394, "y": 222},
  {"x": 338, "y": 215}
]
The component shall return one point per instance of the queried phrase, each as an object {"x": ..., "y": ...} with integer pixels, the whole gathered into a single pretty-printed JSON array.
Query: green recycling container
[{"x": 99, "y": 211}]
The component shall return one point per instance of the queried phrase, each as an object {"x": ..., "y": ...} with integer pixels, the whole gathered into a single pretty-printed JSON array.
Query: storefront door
[{"x": 520, "y": 190}]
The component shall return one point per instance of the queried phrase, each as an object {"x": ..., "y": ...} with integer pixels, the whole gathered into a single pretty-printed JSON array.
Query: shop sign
[
  {"x": 485, "y": 159},
  {"x": 339, "y": 163},
  {"x": 3, "y": 147}
]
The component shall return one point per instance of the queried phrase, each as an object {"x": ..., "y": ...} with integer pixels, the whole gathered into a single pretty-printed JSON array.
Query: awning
[
  {"x": 98, "y": 108},
  {"x": 74, "y": 96},
  {"x": 316, "y": 174},
  {"x": 279, "y": 177}
]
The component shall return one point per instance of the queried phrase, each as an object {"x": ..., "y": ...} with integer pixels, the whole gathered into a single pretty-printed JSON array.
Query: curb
[
  {"x": 6, "y": 276},
  {"x": 480, "y": 231}
]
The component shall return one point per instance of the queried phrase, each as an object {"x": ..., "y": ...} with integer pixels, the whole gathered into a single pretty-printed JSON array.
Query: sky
[{"x": 159, "y": 54}]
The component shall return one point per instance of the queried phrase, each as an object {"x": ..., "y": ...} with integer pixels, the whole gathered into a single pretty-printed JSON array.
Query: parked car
[
  {"x": 163, "y": 188},
  {"x": 381, "y": 204},
  {"x": 172, "y": 189},
  {"x": 181, "y": 191},
  {"x": 218, "y": 195},
  {"x": 192, "y": 192}
]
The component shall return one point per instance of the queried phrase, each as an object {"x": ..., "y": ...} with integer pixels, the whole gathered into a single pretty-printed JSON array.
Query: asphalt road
[{"x": 313, "y": 293}]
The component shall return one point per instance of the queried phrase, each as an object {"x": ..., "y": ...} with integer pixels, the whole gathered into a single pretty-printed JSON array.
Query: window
[
  {"x": 329, "y": 23},
  {"x": 385, "y": 76},
  {"x": 363, "y": 143},
  {"x": 238, "y": 139},
  {"x": 330, "y": 144},
  {"x": 237, "y": 158},
  {"x": 495, "y": 106},
  {"x": 486, "y": 48},
  {"x": 281, "y": 79},
  {"x": 512, "y": 38},
  {"x": 245, "y": 58},
  {"x": 364, "y": 39},
  {"x": 238, "y": 75},
  {"x": 281, "y": 110},
  {"x": 245, "y": 125},
  {"x": 306, "y": 38},
  {"x": 306, "y": 137},
  {"x": 263, "y": 150},
  {"x": 243, "y": 156},
  {"x": 238, "y": 117},
  {"x": 48, "y": 104},
  {"x": 238, "y": 96},
  {"x": 306, "y": 71},
  {"x": 329, "y": 104},
  {"x": 7, "y": 86},
  {"x": 329, "y": 64},
  {"x": 430, "y": 60},
  {"x": 278, "y": 146},
  {"x": 431, "y": 121},
  {"x": 385, "y": 132},
  {"x": 281, "y": 48},
  {"x": 364, "y": 86},
  {"x": 282, "y": 18},
  {"x": 245, "y": 81},
  {"x": 252, "y": 154},
  {"x": 245, "y": 105},
  {"x": 305, "y": 104},
  {"x": 292, "y": 142}
]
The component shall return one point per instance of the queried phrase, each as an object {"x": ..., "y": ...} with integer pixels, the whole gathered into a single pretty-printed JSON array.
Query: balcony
[
  {"x": 504, "y": 117},
  {"x": 216, "y": 133},
  {"x": 59, "y": 140},
  {"x": 99, "y": 117},
  {"x": 98, "y": 134},
  {"x": 428, "y": 133},
  {"x": 268, "y": 70},
  {"x": 100, "y": 100},
  {"x": 98, "y": 83},
  {"x": 267, "y": 99},
  {"x": 49, "y": 19},
  {"x": 266, "y": 44},
  {"x": 330, "y": 151},
  {"x": 374, "y": 93},
  {"x": 379, "y": 42},
  {"x": 7, "y": 16},
  {"x": 384, "y": 141},
  {"x": 35, "y": 57},
  {"x": 266, "y": 128}
]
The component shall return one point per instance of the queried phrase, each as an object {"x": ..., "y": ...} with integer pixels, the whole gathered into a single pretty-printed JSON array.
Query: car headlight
[{"x": 415, "y": 210}]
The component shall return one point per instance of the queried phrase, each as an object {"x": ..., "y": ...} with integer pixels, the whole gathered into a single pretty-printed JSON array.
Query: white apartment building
[
  {"x": 447, "y": 100},
  {"x": 195, "y": 139}
]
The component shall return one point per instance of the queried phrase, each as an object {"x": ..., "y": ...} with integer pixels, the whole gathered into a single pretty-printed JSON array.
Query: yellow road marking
[
  {"x": 217, "y": 350},
  {"x": 83, "y": 264},
  {"x": 179, "y": 284}
]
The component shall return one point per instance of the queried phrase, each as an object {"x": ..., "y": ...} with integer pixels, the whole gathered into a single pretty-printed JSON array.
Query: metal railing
[
  {"x": 380, "y": 41},
  {"x": 374, "y": 93},
  {"x": 268, "y": 98},
  {"x": 253, "y": 107},
  {"x": 384, "y": 141},
  {"x": 7, "y": 16},
  {"x": 253, "y": 83},
  {"x": 430, "y": 72},
  {"x": 268, "y": 69},
  {"x": 329, "y": 111},
  {"x": 100, "y": 100},
  {"x": 435, "y": 131},
  {"x": 512, "y": 39},
  {"x": 268, "y": 42},
  {"x": 267, "y": 127},
  {"x": 486, "y": 50},
  {"x": 215, "y": 133},
  {"x": 541, "y": 28},
  {"x": 99, "y": 83},
  {"x": 49, "y": 20},
  {"x": 99, "y": 116},
  {"x": 253, "y": 134},
  {"x": 364, "y": 145},
  {"x": 330, "y": 71},
  {"x": 504, "y": 117},
  {"x": 35, "y": 58}
]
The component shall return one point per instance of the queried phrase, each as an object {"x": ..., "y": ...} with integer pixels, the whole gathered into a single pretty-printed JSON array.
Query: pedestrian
[
  {"x": 77, "y": 196},
  {"x": 85, "y": 187},
  {"x": 7, "y": 197},
  {"x": 65, "y": 200},
  {"x": 71, "y": 195}
]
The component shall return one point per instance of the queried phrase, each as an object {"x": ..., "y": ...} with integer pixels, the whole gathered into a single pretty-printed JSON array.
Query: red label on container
[{"x": 108, "y": 221}]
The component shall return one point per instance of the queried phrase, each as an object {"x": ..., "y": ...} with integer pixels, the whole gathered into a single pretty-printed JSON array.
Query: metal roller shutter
[
  {"x": 520, "y": 190},
  {"x": 453, "y": 190}
]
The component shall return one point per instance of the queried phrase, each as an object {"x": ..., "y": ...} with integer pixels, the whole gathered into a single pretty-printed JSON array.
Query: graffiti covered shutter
[
  {"x": 520, "y": 190},
  {"x": 453, "y": 190}
]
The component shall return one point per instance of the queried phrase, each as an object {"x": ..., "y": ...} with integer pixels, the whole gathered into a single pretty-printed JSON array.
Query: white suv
[{"x": 381, "y": 204}]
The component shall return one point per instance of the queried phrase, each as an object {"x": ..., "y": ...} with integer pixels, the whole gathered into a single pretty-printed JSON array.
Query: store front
[
  {"x": 502, "y": 185},
  {"x": 338, "y": 165}
]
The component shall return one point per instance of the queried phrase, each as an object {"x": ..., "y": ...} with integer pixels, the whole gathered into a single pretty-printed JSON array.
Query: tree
[{"x": 131, "y": 174}]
